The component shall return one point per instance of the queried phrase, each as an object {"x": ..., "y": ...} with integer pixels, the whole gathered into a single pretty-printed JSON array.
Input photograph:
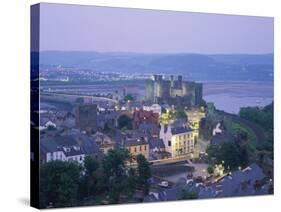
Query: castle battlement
[{"x": 173, "y": 91}]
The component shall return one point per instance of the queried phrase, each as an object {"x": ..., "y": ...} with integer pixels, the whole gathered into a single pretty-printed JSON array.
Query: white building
[
  {"x": 217, "y": 129},
  {"x": 178, "y": 141},
  {"x": 63, "y": 153},
  {"x": 67, "y": 148},
  {"x": 156, "y": 108},
  {"x": 47, "y": 125}
]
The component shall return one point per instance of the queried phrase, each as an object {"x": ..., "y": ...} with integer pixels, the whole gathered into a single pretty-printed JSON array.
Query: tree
[
  {"x": 128, "y": 97},
  {"x": 206, "y": 128},
  {"x": 59, "y": 182},
  {"x": 144, "y": 173},
  {"x": 132, "y": 181},
  {"x": 263, "y": 117},
  {"x": 231, "y": 153},
  {"x": 125, "y": 122},
  {"x": 91, "y": 165},
  {"x": 180, "y": 113},
  {"x": 210, "y": 169},
  {"x": 90, "y": 179},
  {"x": 114, "y": 167}
]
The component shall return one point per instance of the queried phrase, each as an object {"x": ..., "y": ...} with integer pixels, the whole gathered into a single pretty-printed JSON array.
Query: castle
[{"x": 173, "y": 91}]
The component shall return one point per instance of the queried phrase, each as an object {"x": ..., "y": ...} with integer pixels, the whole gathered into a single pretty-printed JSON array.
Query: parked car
[{"x": 164, "y": 184}]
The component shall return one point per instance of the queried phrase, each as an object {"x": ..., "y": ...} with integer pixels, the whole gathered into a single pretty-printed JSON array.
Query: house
[
  {"x": 142, "y": 116},
  {"x": 150, "y": 129},
  {"x": 104, "y": 142},
  {"x": 68, "y": 147},
  {"x": 68, "y": 123},
  {"x": 218, "y": 129},
  {"x": 155, "y": 108},
  {"x": 249, "y": 181},
  {"x": 194, "y": 118},
  {"x": 178, "y": 140},
  {"x": 156, "y": 145},
  {"x": 157, "y": 149},
  {"x": 137, "y": 146},
  {"x": 62, "y": 148},
  {"x": 45, "y": 123},
  {"x": 108, "y": 118}
]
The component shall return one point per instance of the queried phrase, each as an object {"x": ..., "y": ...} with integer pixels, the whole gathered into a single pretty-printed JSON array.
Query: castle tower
[
  {"x": 180, "y": 81},
  {"x": 172, "y": 80}
]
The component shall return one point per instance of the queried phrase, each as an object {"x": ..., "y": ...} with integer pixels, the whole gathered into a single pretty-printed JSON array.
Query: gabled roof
[
  {"x": 148, "y": 127},
  {"x": 232, "y": 185},
  {"x": 135, "y": 142},
  {"x": 156, "y": 143},
  {"x": 180, "y": 130},
  {"x": 58, "y": 143}
]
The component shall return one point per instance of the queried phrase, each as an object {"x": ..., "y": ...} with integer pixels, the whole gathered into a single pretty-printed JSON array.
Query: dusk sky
[{"x": 105, "y": 29}]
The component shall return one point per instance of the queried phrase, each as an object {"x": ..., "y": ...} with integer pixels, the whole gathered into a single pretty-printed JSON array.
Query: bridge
[{"x": 72, "y": 97}]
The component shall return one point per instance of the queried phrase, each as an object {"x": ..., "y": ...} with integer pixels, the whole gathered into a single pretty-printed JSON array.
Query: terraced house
[
  {"x": 137, "y": 146},
  {"x": 178, "y": 140}
]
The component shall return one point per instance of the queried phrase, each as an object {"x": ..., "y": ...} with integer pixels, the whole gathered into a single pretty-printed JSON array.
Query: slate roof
[
  {"x": 135, "y": 142},
  {"x": 229, "y": 186},
  {"x": 69, "y": 123},
  {"x": 179, "y": 130},
  {"x": 73, "y": 152},
  {"x": 241, "y": 183},
  {"x": 86, "y": 144},
  {"x": 148, "y": 126},
  {"x": 156, "y": 143},
  {"x": 47, "y": 146}
]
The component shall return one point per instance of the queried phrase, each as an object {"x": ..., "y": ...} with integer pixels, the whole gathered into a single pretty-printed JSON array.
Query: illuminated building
[
  {"x": 142, "y": 116},
  {"x": 178, "y": 140},
  {"x": 137, "y": 146},
  {"x": 194, "y": 118}
]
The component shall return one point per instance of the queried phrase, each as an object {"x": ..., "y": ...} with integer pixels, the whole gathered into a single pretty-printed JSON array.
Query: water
[{"x": 230, "y": 96}]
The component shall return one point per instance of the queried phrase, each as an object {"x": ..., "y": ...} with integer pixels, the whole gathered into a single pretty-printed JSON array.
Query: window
[
  {"x": 140, "y": 148},
  {"x": 145, "y": 147},
  {"x": 135, "y": 149},
  {"x": 169, "y": 143}
]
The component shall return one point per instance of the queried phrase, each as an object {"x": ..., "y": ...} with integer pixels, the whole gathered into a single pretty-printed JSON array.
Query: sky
[{"x": 105, "y": 29}]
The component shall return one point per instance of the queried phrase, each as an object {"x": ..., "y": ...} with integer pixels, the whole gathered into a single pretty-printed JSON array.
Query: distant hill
[{"x": 242, "y": 67}]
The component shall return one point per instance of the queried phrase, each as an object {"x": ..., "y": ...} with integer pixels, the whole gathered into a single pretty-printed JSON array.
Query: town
[{"x": 169, "y": 145}]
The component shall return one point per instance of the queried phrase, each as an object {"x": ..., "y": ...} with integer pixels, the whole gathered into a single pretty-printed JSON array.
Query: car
[{"x": 164, "y": 184}]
